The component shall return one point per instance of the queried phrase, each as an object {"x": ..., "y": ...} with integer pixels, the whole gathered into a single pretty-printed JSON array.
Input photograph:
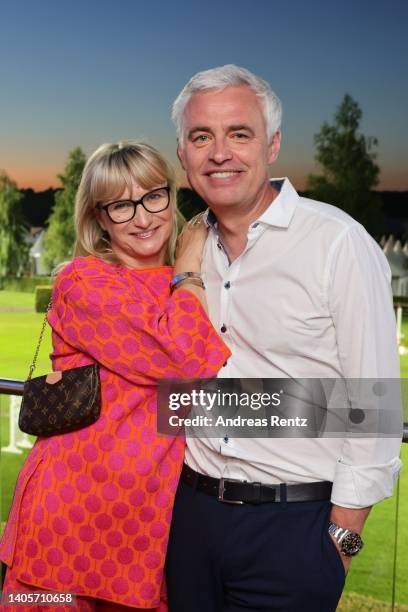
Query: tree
[
  {"x": 350, "y": 173},
  {"x": 60, "y": 236},
  {"x": 13, "y": 246},
  {"x": 37, "y": 205},
  {"x": 189, "y": 202}
]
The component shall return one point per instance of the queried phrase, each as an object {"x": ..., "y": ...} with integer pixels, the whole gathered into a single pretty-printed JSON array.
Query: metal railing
[
  {"x": 10, "y": 386},
  {"x": 13, "y": 387}
]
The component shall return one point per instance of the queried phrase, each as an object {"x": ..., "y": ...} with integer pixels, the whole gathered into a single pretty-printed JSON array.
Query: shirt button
[
  {"x": 223, "y": 328},
  {"x": 219, "y": 245},
  {"x": 227, "y": 285},
  {"x": 225, "y": 364},
  {"x": 226, "y": 439}
]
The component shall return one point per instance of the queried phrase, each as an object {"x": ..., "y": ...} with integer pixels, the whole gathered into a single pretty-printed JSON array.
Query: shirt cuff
[{"x": 360, "y": 486}]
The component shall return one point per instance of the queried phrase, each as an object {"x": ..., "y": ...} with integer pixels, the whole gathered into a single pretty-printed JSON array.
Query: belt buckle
[{"x": 221, "y": 491}]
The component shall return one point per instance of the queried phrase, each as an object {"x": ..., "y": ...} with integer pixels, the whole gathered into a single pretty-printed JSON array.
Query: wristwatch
[{"x": 350, "y": 542}]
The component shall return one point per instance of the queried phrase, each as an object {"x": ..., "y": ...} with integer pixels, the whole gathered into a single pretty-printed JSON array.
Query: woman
[{"x": 92, "y": 508}]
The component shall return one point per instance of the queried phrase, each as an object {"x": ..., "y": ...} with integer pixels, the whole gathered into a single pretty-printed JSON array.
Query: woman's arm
[
  {"x": 129, "y": 331},
  {"x": 189, "y": 254}
]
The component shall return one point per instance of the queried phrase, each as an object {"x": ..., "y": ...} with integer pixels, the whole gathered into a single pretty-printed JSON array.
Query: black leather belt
[{"x": 241, "y": 492}]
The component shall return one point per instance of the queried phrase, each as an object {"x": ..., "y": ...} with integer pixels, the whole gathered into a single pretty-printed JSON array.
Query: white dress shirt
[{"x": 309, "y": 297}]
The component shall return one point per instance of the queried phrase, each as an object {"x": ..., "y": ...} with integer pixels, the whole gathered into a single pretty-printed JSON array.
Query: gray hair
[{"x": 229, "y": 76}]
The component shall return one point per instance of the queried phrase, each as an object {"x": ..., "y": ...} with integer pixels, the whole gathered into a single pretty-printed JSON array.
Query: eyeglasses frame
[{"x": 135, "y": 203}]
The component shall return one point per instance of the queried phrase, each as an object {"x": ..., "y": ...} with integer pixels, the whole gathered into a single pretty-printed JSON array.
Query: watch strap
[{"x": 338, "y": 533}]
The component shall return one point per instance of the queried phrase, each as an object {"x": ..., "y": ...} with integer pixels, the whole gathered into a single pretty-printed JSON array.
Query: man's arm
[
  {"x": 360, "y": 301},
  {"x": 348, "y": 519}
]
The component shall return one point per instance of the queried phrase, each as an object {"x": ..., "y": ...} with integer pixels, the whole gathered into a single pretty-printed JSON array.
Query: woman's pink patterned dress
[{"x": 92, "y": 509}]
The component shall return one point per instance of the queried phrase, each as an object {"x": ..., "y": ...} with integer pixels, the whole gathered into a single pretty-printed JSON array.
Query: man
[{"x": 297, "y": 289}]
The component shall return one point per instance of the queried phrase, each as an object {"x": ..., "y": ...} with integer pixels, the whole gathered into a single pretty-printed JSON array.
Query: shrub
[
  {"x": 25, "y": 284},
  {"x": 42, "y": 297}
]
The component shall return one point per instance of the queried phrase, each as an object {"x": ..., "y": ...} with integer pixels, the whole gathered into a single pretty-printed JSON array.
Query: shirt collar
[
  {"x": 210, "y": 219},
  {"x": 280, "y": 211}
]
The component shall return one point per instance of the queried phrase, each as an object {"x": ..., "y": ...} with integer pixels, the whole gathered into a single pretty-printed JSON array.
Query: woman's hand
[
  {"x": 190, "y": 245},
  {"x": 189, "y": 251}
]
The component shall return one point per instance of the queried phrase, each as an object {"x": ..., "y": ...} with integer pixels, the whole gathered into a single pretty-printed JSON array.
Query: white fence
[{"x": 17, "y": 439}]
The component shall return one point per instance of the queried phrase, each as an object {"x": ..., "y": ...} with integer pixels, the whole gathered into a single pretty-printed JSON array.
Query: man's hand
[
  {"x": 345, "y": 560},
  {"x": 348, "y": 518}
]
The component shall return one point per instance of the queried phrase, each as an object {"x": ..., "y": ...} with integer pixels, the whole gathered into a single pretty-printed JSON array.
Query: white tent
[{"x": 398, "y": 260}]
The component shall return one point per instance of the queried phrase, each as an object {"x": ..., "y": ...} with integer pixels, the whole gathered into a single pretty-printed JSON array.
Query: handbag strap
[{"x": 34, "y": 362}]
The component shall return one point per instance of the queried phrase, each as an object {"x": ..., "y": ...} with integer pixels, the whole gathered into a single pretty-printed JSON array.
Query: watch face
[{"x": 351, "y": 544}]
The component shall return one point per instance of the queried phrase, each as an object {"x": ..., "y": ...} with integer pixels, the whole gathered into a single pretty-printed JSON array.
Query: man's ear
[
  {"x": 274, "y": 147},
  {"x": 180, "y": 154}
]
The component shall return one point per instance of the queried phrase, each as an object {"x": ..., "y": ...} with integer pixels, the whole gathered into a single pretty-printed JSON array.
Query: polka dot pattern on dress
[{"x": 94, "y": 506}]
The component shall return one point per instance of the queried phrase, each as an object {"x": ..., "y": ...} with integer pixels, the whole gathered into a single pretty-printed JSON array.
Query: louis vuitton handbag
[{"x": 59, "y": 402}]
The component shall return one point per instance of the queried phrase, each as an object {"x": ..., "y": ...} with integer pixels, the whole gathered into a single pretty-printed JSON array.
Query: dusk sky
[{"x": 92, "y": 71}]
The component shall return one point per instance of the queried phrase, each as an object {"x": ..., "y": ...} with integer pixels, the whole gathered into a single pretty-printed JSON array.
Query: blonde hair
[{"x": 108, "y": 172}]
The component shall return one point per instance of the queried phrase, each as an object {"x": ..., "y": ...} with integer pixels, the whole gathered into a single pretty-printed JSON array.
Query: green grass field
[
  {"x": 19, "y": 332},
  {"x": 14, "y": 299},
  {"x": 372, "y": 572}
]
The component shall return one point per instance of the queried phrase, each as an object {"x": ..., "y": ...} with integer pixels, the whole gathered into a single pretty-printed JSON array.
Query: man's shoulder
[
  {"x": 333, "y": 215},
  {"x": 318, "y": 216},
  {"x": 338, "y": 232}
]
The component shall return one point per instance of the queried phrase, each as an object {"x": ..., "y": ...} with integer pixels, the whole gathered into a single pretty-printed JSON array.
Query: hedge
[
  {"x": 42, "y": 297},
  {"x": 25, "y": 284}
]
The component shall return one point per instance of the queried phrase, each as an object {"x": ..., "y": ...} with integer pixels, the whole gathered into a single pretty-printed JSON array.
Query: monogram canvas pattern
[{"x": 61, "y": 407}]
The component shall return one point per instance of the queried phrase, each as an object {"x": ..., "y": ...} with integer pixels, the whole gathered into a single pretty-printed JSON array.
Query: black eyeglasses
[{"x": 122, "y": 211}]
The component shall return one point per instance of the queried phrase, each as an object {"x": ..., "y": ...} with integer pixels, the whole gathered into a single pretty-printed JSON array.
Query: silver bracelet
[
  {"x": 188, "y": 281},
  {"x": 179, "y": 277}
]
